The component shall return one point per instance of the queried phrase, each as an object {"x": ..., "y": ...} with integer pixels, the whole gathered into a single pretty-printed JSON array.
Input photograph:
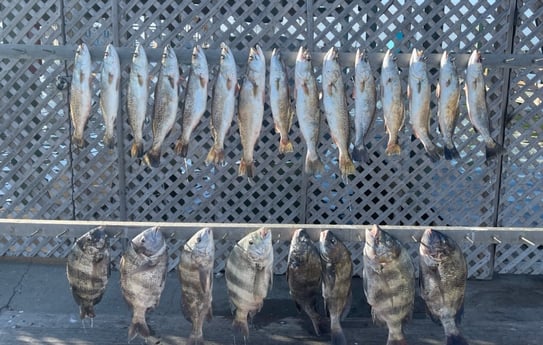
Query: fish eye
[
  {"x": 333, "y": 240},
  {"x": 199, "y": 239},
  {"x": 251, "y": 58},
  {"x": 251, "y": 242},
  {"x": 136, "y": 54}
]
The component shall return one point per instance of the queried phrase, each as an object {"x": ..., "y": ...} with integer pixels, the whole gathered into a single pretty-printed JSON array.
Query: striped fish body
[
  {"x": 195, "y": 271},
  {"x": 281, "y": 108},
  {"x": 195, "y": 102},
  {"x": 165, "y": 107},
  {"x": 304, "y": 276},
  {"x": 335, "y": 109},
  {"x": 110, "y": 87},
  {"x": 87, "y": 269},
  {"x": 137, "y": 96},
  {"x": 443, "y": 273},
  {"x": 143, "y": 271},
  {"x": 364, "y": 105},
  {"x": 307, "y": 110},
  {"x": 249, "y": 276},
  {"x": 337, "y": 271},
  {"x": 223, "y": 104},
  {"x": 389, "y": 282},
  {"x": 418, "y": 92},
  {"x": 251, "y": 109},
  {"x": 80, "y": 94},
  {"x": 391, "y": 99},
  {"x": 448, "y": 94}
]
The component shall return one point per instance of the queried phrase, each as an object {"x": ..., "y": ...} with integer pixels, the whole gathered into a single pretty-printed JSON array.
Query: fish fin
[
  {"x": 492, "y": 150},
  {"x": 240, "y": 327},
  {"x": 215, "y": 156},
  {"x": 393, "y": 149},
  {"x": 137, "y": 150},
  {"x": 313, "y": 167},
  {"x": 360, "y": 154},
  {"x": 456, "y": 339},
  {"x": 141, "y": 80},
  {"x": 86, "y": 311},
  {"x": 438, "y": 90},
  {"x": 173, "y": 82},
  {"x": 209, "y": 315},
  {"x": 181, "y": 148},
  {"x": 346, "y": 165},
  {"x": 347, "y": 306},
  {"x": 109, "y": 141},
  {"x": 450, "y": 152},
  {"x": 152, "y": 158},
  {"x": 205, "y": 279},
  {"x": 138, "y": 327},
  {"x": 246, "y": 168},
  {"x": 195, "y": 340},
  {"x": 78, "y": 142},
  {"x": 408, "y": 91},
  {"x": 433, "y": 153},
  {"x": 203, "y": 82},
  {"x": 396, "y": 342},
  {"x": 285, "y": 146},
  {"x": 338, "y": 338},
  {"x": 110, "y": 77}
]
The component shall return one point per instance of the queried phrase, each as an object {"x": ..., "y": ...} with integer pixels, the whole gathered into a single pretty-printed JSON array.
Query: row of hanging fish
[
  {"x": 313, "y": 271},
  {"x": 250, "y": 98}
]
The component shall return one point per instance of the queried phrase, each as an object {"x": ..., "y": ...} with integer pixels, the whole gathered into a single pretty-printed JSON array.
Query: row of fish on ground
[
  {"x": 317, "y": 269},
  {"x": 250, "y": 103}
]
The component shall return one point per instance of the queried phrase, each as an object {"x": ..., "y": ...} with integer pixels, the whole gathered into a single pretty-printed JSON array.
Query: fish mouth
[
  {"x": 332, "y": 54},
  {"x": 361, "y": 55},
  {"x": 303, "y": 54}
]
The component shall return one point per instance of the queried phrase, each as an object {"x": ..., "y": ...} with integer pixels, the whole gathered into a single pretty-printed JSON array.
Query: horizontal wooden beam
[
  {"x": 235, "y": 231},
  {"x": 25, "y": 51}
]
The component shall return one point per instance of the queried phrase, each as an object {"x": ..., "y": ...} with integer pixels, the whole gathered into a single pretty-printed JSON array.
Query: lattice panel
[
  {"x": 519, "y": 259},
  {"x": 529, "y": 38}
]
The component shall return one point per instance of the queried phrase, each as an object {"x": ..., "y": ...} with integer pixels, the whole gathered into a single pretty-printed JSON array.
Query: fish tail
[
  {"x": 152, "y": 158},
  {"x": 86, "y": 311},
  {"x": 313, "y": 166},
  {"x": 246, "y": 168},
  {"x": 360, "y": 154},
  {"x": 109, "y": 141},
  {"x": 240, "y": 326},
  {"x": 346, "y": 165},
  {"x": 493, "y": 149},
  {"x": 136, "y": 151},
  {"x": 215, "y": 156},
  {"x": 285, "y": 146},
  {"x": 78, "y": 141},
  {"x": 450, "y": 152},
  {"x": 396, "y": 342},
  {"x": 181, "y": 148},
  {"x": 393, "y": 149},
  {"x": 338, "y": 338},
  {"x": 195, "y": 340},
  {"x": 456, "y": 339},
  {"x": 433, "y": 153},
  {"x": 138, "y": 327}
]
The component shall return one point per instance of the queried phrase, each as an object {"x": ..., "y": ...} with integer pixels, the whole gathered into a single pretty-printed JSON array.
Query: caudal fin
[
  {"x": 313, "y": 166},
  {"x": 285, "y": 145},
  {"x": 195, "y": 340},
  {"x": 493, "y": 149},
  {"x": 393, "y": 149},
  {"x": 396, "y": 342},
  {"x": 457, "y": 339},
  {"x": 138, "y": 327},
  {"x": 360, "y": 154},
  {"x": 246, "y": 168},
  {"x": 346, "y": 165},
  {"x": 136, "y": 151},
  {"x": 181, "y": 148},
  {"x": 86, "y": 311},
  {"x": 338, "y": 338},
  {"x": 78, "y": 141},
  {"x": 240, "y": 327},
  {"x": 433, "y": 154},
  {"x": 109, "y": 141},
  {"x": 152, "y": 158},
  {"x": 215, "y": 156},
  {"x": 450, "y": 152}
]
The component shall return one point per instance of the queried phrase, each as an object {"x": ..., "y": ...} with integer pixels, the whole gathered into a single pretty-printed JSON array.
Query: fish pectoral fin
[
  {"x": 203, "y": 82},
  {"x": 205, "y": 279},
  {"x": 172, "y": 81},
  {"x": 438, "y": 89},
  {"x": 141, "y": 80},
  {"x": 110, "y": 77}
]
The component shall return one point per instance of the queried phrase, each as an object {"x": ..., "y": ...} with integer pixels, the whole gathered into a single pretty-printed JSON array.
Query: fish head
[
  {"x": 445, "y": 59},
  {"x": 202, "y": 243},
  {"x": 475, "y": 57},
  {"x": 227, "y": 63},
  {"x": 330, "y": 65},
  {"x": 256, "y": 60},
  {"x": 257, "y": 244},
  {"x": 417, "y": 56},
  {"x": 330, "y": 247},
  {"x": 148, "y": 242},
  {"x": 361, "y": 65},
  {"x": 436, "y": 245},
  {"x": 389, "y": 60},
  {"x": 93, "y": 241},
  {"x": 199, "y": 61},
  {"x": 361, "y": 56},
  {"x": 300, "y": 240},
  {"x": 168, "y": 55},
  {"x": 303, "y": 55},
  {"x": 139, "y": 57},
  {"x": 380, "y": 246},
  {"x": 82, "y": 55}
]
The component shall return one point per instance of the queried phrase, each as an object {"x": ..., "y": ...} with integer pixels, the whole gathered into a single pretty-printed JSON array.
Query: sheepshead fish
[
  {"x": 251, "y": 108},
  {"x": 443, "y": 274},
  {"x": 448, "y": 94},
  {"x": 195, "y": 271},
  {"x": 364, "y": 105},
  {"x": 88, "y": 271},
  {"x": 476, "y": 103},
  {"x": 280, "y": 105},
  {"x": 249, "y": 276},
  {"x": 304, "y": 276},
  {"x": 165, "y": 109},
  {"x": 223, "y": 104},
  {"x": 391, "y": 98},
  {"x": 335, "y": 109},
  {"x": 143, "y": 271},
  {"x": 80, "y": 94},
  {"x": 307, "y": 110},
  {"x": 137, "y": 95},
  {"x": 389, "y": 282},
  {"x": 337, "y": 271},
  {"x": 418, "y": 92},
  {"x": 110, "y": 88},
  {"x": 195, "y": 103}
]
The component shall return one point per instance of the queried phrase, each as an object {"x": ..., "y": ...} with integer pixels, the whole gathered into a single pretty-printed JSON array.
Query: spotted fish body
[
  {"x": 304, "y": 276},
  {"x": 389, "y": 282},
  {"x": 443, "y": 273},
  {"x": 87, "y": 269},
  {"x": 391, "y": 99},
  {"x": 137, "y": 95},
  {"x": 337, "y": 271},
  {"x": 281, "y": 108},
  {"x": 223, "y": 104},
  {"x": 448, "y": 93},
  {"x": 110, "y": 89},
  {"x": 195, "y": 102},
  {"x": 143, "y": 271},
  {"x": 81, "y": 94},
  {"x": 249, "y": 276},
  {"x": 195, "y": 271},
  {"x": 165, "y": 108}
]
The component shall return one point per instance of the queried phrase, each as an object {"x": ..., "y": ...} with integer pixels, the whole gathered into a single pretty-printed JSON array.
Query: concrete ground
[{"x": 36, "y": 307}]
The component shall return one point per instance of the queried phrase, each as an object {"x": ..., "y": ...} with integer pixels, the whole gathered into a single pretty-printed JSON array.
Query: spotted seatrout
[
  {"x": 137, "y": 95},
  {"x": 448, "y": 94},
  {"x": 80, "y": 94},
  {"x": 280, "y": 105},
  {"x": 110, "y": 92},
  {"x": 392, "y": 102}
]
